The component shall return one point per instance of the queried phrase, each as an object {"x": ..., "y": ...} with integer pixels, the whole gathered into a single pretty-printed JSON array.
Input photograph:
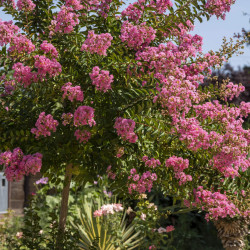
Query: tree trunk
[
  {"x": 64, "y": 206},
  {"x": 232, "y": 232}
]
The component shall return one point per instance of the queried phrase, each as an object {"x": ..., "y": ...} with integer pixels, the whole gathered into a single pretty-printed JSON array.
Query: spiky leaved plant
[{"x": 96, "y": 232}]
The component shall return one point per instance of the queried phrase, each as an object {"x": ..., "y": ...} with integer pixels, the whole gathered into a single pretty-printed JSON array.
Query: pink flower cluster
[
  {"x": 25, "y": 5},
  {"x": 8, "y": 3},
  {"x": 101, "y": 79},
  {"x": 65, "y": 21},
  {"x": 179, "y": 164},
  {"x": 125, "y": 128},
  {"x": 167, "y": 58},
  {"x": 97, "y": 43},
  {"x": 153, "y": 163},
  {"x": 9, "y": 87},
  {"x": 137, "y": 36},
  {"x": 244, "y": 109},
  {"x": 152, "y": 247},
  {"x": 223, "y": 114},
  {"x": 141, "y": 184},
  {"x": 46, "y": 66},
  {"x": 228, "y": 147},
  {"x": 76, "y": 4},
  {"x": 177, "y": 96},
  {"x": 23, "y": 74},
  {"x": 43, "y": 180},
  {"x": 108, "y": 209},
  {"x": 73, "y": 93},
  {"x": 111, "y": 174},
  {"x": 82, "y": 135},
  {"x": 20, "y": 44},
  {"x": 193, "y": 134},
  {"x": 67, "y": 118},
  {"x": 103, "y": 8},
  {"x": 165, "y": 230},
  {"x": 44, "y": 125},
  {"x": 7, "y": 32},
  {"x": 17, "y": 164},
  {"x": 134, "y": 13},
  {"x": 219, "y": 7},
  {"x": 233, "y": 90},
  {"x": 49, "y": 48},
  {"x": 216, "y": 204},
  {"x": 84, "y": 115},
  {"x": 160, "y": 5}
]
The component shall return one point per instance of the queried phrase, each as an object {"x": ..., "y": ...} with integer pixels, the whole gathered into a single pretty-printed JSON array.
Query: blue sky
[{"x": 214, "y": 30}]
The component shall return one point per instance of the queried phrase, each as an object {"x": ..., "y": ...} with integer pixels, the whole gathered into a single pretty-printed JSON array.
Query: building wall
[
  {"x": 20, "y": 191},
  {"x": 16, "y": 196}
]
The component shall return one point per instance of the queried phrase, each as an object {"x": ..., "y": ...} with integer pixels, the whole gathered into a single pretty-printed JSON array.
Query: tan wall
[{"x": 16, "y": 196}]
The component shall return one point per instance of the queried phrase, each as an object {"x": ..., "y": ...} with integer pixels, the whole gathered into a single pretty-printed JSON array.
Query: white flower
[
  {"x": 143, "y": 216},
  {"x": 129, "y": 210},
  {"x": 19, "y": 235},
  {"x": 161, "y": 230}
]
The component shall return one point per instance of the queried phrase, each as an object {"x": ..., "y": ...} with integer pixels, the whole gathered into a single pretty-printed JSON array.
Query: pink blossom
[
  {"x": 66, "y": 20},
  {"x": 19, "y": 44},
  {"x": 232, "y": 90},
  {"x": 43, "y": 180},
  {"x": 108, "y": 209},
  {"x": 25, "y": 5},
  {"x": 134, "y": 13},
  {"x": 76, "y": 4},
  {"x": 48, "y": 48},
  {"x": 84, "y": 115},
  {"x": 111, "y": 174},
  {"x": 137, "y": 36},
  {"x": 46, "y": 66},
  {"x": 170, "y": 229},
  {"x": 44, "y": 125},
  {"x": 72, "y": 92},
  {"x": 32, "y": 163},
  {"x": 82, "y": 135},
  {"x": 219, "y": 7},
  {"x": 9, "y": 87},
  {"x": 216, "y": 204},
  {"x": 101, "y": 79},
  {"x": 7, "y": 32},
  {"x": 179, "y": 164},
  {"x": 23, "y": 75},
  {"x": 142, "y": 183},
  {"x": 125, "y": 128},
  {"x": 17, "y": 164},
  {"x": 8, "y": 3},
  {"x": 97, "y": 43},
  {"x": 153, "y": 247},
  {"x": 152, "y": 162}
]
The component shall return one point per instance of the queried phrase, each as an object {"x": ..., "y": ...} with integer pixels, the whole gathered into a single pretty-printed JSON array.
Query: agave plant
[{"x": 95, "y": 233}]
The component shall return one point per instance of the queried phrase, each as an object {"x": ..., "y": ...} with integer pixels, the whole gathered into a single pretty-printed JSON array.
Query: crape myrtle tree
[{"x": 95, "y": 87}]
